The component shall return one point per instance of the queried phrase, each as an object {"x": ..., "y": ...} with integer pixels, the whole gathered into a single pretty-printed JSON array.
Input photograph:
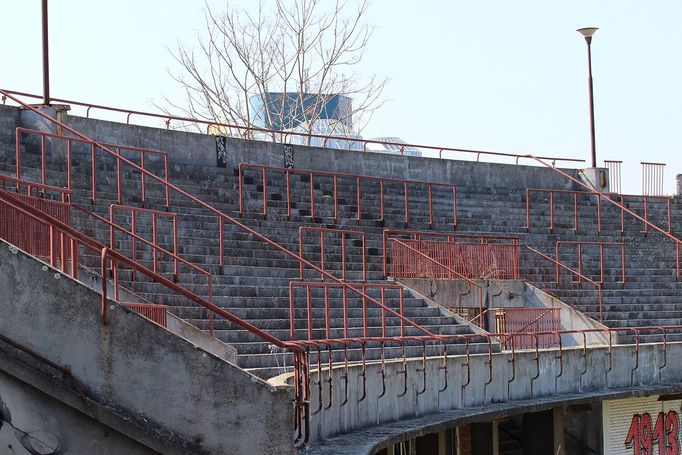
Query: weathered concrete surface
[
  {"x": 10, "y": 118},
  {"x": 33, "y": 420},
  {"x": 199, "y": 149},
  {"x": 512, "y": 377},
  {"x": 184, "y": 394},
  {"x": 372, "y": 439}
]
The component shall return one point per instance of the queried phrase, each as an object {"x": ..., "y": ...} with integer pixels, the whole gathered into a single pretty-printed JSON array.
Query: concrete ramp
[{"x": 73, "y": 384}]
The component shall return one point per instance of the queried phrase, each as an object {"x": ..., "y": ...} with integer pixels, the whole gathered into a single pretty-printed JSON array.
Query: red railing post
[{"x": 94, "y": 174}]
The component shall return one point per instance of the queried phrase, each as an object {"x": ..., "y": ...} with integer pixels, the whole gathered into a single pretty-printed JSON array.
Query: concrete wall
[
  {"x": 544, "y": 378},
  {"x": 32, "y": 422},
  {"x": 199, "y": 149},
  {"x": 9, "y": 120},
  {"x": 174, "y": 389}
]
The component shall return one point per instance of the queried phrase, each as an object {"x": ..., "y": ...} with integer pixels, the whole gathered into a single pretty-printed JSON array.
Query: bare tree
[{"x": 282, "y": 66}]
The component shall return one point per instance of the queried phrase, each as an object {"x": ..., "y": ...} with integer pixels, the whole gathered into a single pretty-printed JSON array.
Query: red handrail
[
  {"x": 576, "y": 221},
  {"x": 309, "y": 285},
  {"x": 358, "y": 185},
  {"x": 621, "y": 206},
  {"x": 155, "y": 214},
  {"x": 449, "y": 236},
  {"x": 80, "y": 239},
  {"x": 344, "y": 234},
  {"x": 65, "y": 194},
  {"x": 601, "y": 245},
  {"x": 221, "y": 216},
  {"x": 69, "y": 141},
  {"x": 168, "y": 118}
]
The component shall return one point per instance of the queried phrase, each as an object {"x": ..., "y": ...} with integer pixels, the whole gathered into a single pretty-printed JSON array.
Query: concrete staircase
[{"x": 254, "y": 282}]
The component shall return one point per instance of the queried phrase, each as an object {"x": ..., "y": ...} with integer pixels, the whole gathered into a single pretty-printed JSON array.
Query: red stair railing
[
  {"x": 344, "y": 235},
  {"x": 646, "y": 222},
  {"x": 335, "y": 176},
  {"x": 574, "y": 197},
  {"x": 620, "y": 246},
  {"x": 247, "y": 131},
  {"x": 70, "y": 141},
  {"x": 156, "y": 216}
]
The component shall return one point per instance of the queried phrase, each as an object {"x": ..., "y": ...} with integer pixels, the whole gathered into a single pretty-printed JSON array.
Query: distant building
[
  {"x": 323, "y": 115},
  {"x": 393, "y": 146}
]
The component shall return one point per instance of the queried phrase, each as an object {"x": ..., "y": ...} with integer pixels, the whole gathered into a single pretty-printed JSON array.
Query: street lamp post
[
  {"x": 46, "y": 56},
  {"x": 587, "y": 32}
]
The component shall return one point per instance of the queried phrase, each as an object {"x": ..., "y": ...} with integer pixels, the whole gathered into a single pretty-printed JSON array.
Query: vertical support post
[
  {"x": 265, "y": 193},
  {"x": 381, "y": 199},
  {"x": 241, "y": 189},
  {"x": 221, "y": 248},
  {"x": 454, "y": 205},
  {"x": 358, "y": 201},
  {"x": 343, "y": 256},
  {"x": 336, "y": 200},
  {"x": 575, "y": 210},
  {"x": 312, "y": 196},
  {"x": 68, "y": 164},
  {"x": 407, "y": 204},
  {"x": 430, "y": 206},
  {"x": 165, "y": 173},
  {"x": 94, "y": 174},
  {"x": 551, "y": 211},
  {"x": 322, "y": 253},
  {"x": 288, "y": 182},
  {"x": 43, "y": 172},
  {"x": 119, "y": 184},
  {"x": 155, "y": 239},
  {"x": 310, "y": 312},
  {"x": 144, "y": 191}
]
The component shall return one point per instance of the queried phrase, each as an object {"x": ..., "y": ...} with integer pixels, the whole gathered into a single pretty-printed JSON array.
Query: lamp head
[{"x": 587, "y": 32}]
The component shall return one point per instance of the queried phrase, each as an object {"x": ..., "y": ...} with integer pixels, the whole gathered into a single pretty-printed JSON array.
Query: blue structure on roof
[{"x": 287, "y": 111}]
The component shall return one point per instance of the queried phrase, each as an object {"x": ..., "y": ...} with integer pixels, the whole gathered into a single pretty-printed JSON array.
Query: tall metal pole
[
  {"x": 587, "y": 32},
  {"x": 46, "y": 57},
  {"x": 589, "y": 69}
]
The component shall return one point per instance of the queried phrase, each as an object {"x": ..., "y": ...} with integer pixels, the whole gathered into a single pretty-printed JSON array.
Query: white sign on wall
[{"x": 642, "y": 426}]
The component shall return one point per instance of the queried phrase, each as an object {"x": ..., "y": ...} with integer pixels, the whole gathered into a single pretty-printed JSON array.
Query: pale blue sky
[{"x": 488, "y": 74}]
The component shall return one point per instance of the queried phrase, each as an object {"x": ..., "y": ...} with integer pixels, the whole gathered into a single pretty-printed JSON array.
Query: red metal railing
[
  {"x": 575, "y": 195},
  {"x": 561, "y": 281},
  {"x": 580, "y": 246},
  {"x": 652, "y": 178},
  {"x": 31, "y": 236},
  {"x": 157, "y": 250},
  {"x": 311, "y": 295},
  {"x": 222, "y": 218},
  {"x": 356, "y": 179},
  {"x": 135, "y": 213},
  {"x": 443, "y": 237},
  {"x": 246, "y": 131},
  {"x": 343, "y": 235},
  {"x": 528, "y": 320},
  {"x": 438, "y": 269},
  {"x": 647, "y": 223},
  {"x": 70, "y": 141},
  {"x": 494, "y": 261},
  {"x": 35, "y": 189}
]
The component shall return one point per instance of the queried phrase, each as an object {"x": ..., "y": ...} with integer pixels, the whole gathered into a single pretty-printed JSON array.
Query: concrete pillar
[
  {"x": 496, "y": 438},
  {"x": 596, "y": 178},
  {"x": 559, "y": 443},
  {"x": 31, "y": 120},
  {"x": 678, "y": 181}
]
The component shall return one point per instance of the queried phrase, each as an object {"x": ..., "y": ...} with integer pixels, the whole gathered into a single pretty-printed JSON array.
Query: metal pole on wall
[
  {"x": 46, "y": 57},
  {"x": 587, "y": 33}
]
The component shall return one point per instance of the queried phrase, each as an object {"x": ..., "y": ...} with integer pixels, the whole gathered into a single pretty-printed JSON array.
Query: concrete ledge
[{"x": 370, "y": 440}]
